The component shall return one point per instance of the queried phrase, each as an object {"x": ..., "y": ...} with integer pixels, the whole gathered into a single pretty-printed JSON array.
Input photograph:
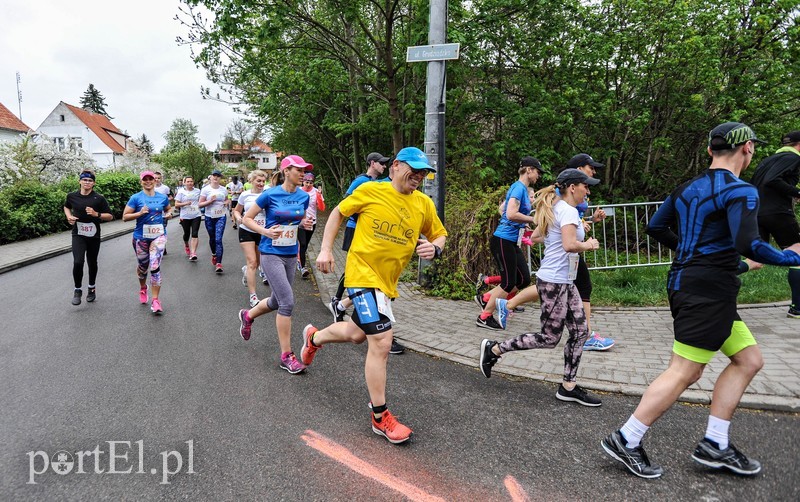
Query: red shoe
[
  {"x": 213, "y": 260},
  {"x": 246, "y": 324},
  {"x": 143, "y": 295},
  {"x": 219, "y": 268},
  {"x": 309, "y": 349},
  {"x": 390, "y": 428},
  {"x": 187, "y": 250}
]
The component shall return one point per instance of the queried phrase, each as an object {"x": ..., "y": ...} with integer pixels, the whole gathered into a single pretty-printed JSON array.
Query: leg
[
  {"x": 211, "y": 229},
  {"x": 667, "y": 388},
  {"x": 195, "y": 234},
  {"x": 92, "y": 252},
  {"x": 219, "y": 231},
  {"x": 156, "y": 251},
  {"x": 79, "y": 248},
  {"x": 378, "y": 346}
]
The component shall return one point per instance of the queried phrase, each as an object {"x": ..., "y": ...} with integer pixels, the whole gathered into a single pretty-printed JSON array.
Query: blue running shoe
[
  {"x": 595, "y": 342},
  {"x": 502, "y": 311}
]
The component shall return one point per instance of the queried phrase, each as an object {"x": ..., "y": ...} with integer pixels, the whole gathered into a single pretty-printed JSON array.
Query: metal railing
[{"x": 623, "y": 240}]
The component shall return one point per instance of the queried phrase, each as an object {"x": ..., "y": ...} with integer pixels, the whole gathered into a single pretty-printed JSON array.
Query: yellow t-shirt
[{"x": 388, "y": 227}]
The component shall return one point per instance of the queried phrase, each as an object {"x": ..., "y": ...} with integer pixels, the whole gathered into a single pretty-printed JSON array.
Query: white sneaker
[{"x": 244, "y": 276}]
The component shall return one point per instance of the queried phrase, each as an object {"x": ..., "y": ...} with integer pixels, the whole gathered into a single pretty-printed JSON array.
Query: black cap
[
  {"x": 571, "y": 176},
  {"x": 216, "y": 172},
  {"x": 377, "y": 157},
  {"x": 729, "y": 135},
  {"x": 533, "y": 162},
  {"x": 791, "y": 138},
  {"x": 581, "y": 160}
]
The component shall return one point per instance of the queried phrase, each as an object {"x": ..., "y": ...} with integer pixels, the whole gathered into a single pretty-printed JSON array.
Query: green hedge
[{"x": 31, "y": 209}]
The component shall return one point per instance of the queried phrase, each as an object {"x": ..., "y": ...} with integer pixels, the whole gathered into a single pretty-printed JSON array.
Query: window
[
  {"x": 62, "y": 118},
  {"x": 75, "y": 144},
  {"x": 59, "y": 144}
]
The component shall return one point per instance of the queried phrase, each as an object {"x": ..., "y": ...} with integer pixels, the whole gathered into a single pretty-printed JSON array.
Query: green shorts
[{"x": 739, "y": 339}]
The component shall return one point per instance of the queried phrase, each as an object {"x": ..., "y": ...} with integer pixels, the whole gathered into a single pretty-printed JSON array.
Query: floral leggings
[
  {"x": 148, "y": 256},
  {"x": 215, "y": 228},
  {"x": 561, "y": 306}
]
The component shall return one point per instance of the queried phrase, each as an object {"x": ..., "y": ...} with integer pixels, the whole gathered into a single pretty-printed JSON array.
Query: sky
[{"x": 126, "y": 49}]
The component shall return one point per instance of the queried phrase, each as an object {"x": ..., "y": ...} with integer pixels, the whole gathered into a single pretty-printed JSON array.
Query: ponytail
[{"x": 543, "y": 201}]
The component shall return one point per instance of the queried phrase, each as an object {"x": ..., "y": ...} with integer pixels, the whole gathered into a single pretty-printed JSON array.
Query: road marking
[
  {"x": 345, "y": 457},
  {"x": 516, "y": 491}
]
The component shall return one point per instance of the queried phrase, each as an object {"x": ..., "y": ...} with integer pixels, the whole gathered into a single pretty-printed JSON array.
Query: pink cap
[
  {"x": 147, "y": 173},
  {"x": 297, "y": 161}
]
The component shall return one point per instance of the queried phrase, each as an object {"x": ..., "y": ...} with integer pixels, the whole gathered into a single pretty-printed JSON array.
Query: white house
[
  {"x": 12, "y": 129},
  {"x": 71, "y": 127},
  {"x": 258, "y": 151}
]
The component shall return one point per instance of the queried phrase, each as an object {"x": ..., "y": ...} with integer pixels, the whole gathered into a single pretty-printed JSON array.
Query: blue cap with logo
[{"x": 415, "y": 158}]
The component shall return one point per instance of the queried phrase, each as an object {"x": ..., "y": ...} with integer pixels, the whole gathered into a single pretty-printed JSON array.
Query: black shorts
[
  {"x": 702, "y": 322},
  {"x": 234, "y": 203},
  {"x": 247, "y": 236},
  {"x": 783, "y": 227},
  {"x": 365, "y": 312},
  {"x": 348, "y": 238},
  {"x": 582, "y": 280}
]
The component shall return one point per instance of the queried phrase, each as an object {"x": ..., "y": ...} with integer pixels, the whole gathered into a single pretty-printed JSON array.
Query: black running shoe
[
  {"x": 480, "y": 284},
  {"x": 488, "y": 359},
  {"x": 397, "y": 348},
  {"x": 793, "y": 313},
  {"x": 338, "y": 315},
  {"x": 488, "y": 323},
  {"x": 76, "y": 297},
  {"x": 479, "y": 300},
  {"x": 577, "y": 395},
  {"x": 730, "y": 458},
  {"x": 91, "y": 295},
  {"x": 635, "y": 459},
  {"x": 519, "y": 310}
]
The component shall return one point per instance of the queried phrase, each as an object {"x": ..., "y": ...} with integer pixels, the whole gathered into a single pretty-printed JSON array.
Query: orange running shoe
[
  {"x": 390, "y": 428},
  {"x": 309, "y": 349}
]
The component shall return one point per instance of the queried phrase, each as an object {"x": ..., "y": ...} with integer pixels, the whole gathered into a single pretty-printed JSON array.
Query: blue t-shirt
[
  {"x": 156, "y": 202},
  {"x": 507, "y": 229},
  {"x": 282, "y": 208},
  {"x": 360, "y": 180}
]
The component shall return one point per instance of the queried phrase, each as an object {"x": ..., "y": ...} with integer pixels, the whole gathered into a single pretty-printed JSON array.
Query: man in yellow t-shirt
[{"x": 392, "y": 216}]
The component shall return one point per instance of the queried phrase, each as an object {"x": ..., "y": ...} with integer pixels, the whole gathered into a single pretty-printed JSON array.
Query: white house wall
[
  {"x": 72, "y": 127},
  {"x": 9, "y": 136}
]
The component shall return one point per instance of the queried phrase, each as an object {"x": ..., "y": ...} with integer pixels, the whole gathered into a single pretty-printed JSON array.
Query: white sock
[
  {"x": 91, "y": 286},
  {"x": 717, "y": 431},
  {"x": 340, "y": 306},
  {"x": 633, "y": 431}
]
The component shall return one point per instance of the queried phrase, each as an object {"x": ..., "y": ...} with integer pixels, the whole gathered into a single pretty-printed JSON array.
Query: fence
[{"x": 623, "y": 240}]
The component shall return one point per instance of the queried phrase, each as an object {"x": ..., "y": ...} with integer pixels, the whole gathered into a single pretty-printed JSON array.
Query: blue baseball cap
[{"x": 415, "y": 158}]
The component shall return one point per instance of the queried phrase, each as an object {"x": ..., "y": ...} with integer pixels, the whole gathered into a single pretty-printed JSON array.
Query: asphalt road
[{"x": 75, "y": 379}]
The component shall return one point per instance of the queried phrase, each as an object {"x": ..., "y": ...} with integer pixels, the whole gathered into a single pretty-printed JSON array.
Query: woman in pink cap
[
  {"x": 315, "y": 203},
  {"x": 285, "y": 208}
]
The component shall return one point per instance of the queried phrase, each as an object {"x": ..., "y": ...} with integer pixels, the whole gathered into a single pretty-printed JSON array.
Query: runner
[
  {"x": 557, "y": 218},
  {"x": 315, "y": 203},
  {"x": 214, "y": 198},
  {"x": 163, "y": 189},
  {"x": 188, "y": 200},
  {"x": 151, "y": 210},
  {"x": 716, "y": 217},
  {"x": 249, "y": 240},
  {"x": 392, "y": 217},
  {"x": 285, "y": 207},
  {"x": 85, "y": 210},
  {"x": 505, "y": 242},
  {"x": 234, "y": 189}
]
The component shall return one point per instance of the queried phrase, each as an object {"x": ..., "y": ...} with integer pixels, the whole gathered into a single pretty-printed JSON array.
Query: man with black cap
[
  {"x": 776, "y": 178},
  {"x": 716, "y": 217}
]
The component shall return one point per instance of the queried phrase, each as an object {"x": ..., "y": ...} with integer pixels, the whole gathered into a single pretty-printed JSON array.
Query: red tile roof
[
  {"x": 100, "y": 125},
  {"x": 256, "y": 146},
  {"x": 10, "y": 121}
]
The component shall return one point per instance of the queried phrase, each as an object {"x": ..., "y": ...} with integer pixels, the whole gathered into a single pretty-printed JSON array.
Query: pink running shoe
[
  {"x": 143, "y": 295},
  {"x": 156, "y": 307},
  {"x": 213, "y": 260},
  {"x": 309, "y": 349},
  {"x": 246, "y": 324},
  {"x": 218, "y": 268},
  {"x": 290, "y": 363},
  {"x": 187, "y": 250},
  {"x": 193, "y": 257}
]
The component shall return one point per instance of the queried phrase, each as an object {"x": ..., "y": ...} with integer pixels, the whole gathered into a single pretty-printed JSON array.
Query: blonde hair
[
  {"x": 543, "y": 202},
  {"x": 277, "y": 178},
  {"x": 254, "y": 173}
]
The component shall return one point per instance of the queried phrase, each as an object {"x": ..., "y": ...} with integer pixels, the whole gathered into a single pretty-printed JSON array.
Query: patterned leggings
[
  {"x": 561, "y": 306},
  {"x": 148, "y": 256},
  {"x": 215, "y": 228}
]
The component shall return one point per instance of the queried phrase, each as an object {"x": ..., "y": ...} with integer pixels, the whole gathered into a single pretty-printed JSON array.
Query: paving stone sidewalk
[{"x": 446, "y": 328}]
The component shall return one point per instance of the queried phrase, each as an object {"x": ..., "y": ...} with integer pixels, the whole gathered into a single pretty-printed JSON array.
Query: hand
[
  {"x": 72, "y": 220},
  {"x": 307, "y": 224},
  {"x": 599, "y": 215},
  {"x": 144, "y": 210},
  {"x": 753, "y": 265},
  {"x": 425, "y": 249},
  {"x": 593, "y": 243},
  {"x": 325, "y": 261},
  {"x": 213, "y": 197},
  {"x": 587, "y": 227},
  {"x": 91, "y": 212},
  {"x": 795, "y": 247},
  {"x": 273, "y": 232}
]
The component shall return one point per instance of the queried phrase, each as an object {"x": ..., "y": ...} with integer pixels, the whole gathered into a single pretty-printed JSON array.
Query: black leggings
[
  {"x": 303, "y": 238},
  {"x": 88, "y": 247},
  {"x": 192, "y": 225},
  {"x": 514, "y": 272}
]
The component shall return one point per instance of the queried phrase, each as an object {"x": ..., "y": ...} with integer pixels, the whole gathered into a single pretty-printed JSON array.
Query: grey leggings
[
  {"x": 279, "y": 270},
  {"x": 561, "y": 306}
]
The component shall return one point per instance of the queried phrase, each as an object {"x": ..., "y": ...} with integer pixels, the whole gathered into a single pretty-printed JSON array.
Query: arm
[
  {"x": 129, "y": 213},
  {"x": 570, "y": 242},
  {"x": 325, "y": 260},
  {"x": 68, "y": 213},
  {"x": 238, "y": 217},
  {"x": 742, "y": 212},
  {"x": 513, "y": 213},
  {"x": 782, "y": 187},
  {"x": 659, "y": 226}
]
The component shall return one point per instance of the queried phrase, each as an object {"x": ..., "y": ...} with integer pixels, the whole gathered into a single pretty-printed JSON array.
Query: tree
[
  {"x": 93, "y": 101},
  {"x": 37, "y": 158},
  {"x": 181, "y": 136},
  {"x": 194, "y": 161},
  {"x": 143, "y": 144}
]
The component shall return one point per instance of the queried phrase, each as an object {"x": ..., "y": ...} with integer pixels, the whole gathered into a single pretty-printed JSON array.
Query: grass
[{"x": 646, "y": 286}]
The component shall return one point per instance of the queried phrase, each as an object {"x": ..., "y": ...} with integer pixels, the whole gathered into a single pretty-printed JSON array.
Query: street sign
[{"x": 438, "y": 52}]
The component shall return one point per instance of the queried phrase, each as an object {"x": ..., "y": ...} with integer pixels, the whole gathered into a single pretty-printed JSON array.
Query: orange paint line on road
[
  {"x": 345, "y": 457},
  {"x": 516, "y": 491}
]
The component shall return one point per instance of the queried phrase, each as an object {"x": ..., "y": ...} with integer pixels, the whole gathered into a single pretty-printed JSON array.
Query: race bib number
[
  {"x": 573, "y": 266},
  {"x": 152, "y": 231},
  {"x": 87, "y": 229},
  {"x": 261, "y": 219},
  {"x": 192, "y": 210},
  {"x": 216, "y": 212},
  {"x": 288, "y": 236},
  {"x": 384, "y": 304},
  {"x": 519, "y": 236}
]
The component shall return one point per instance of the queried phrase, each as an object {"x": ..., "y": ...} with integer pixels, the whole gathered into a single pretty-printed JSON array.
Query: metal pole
[
  {"x": 19, "y": 97},
  {"x": 434, "y": 117}
]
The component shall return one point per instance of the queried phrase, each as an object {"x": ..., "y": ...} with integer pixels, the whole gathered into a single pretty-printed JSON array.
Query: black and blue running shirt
[{"x": 714, "y": 217}]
